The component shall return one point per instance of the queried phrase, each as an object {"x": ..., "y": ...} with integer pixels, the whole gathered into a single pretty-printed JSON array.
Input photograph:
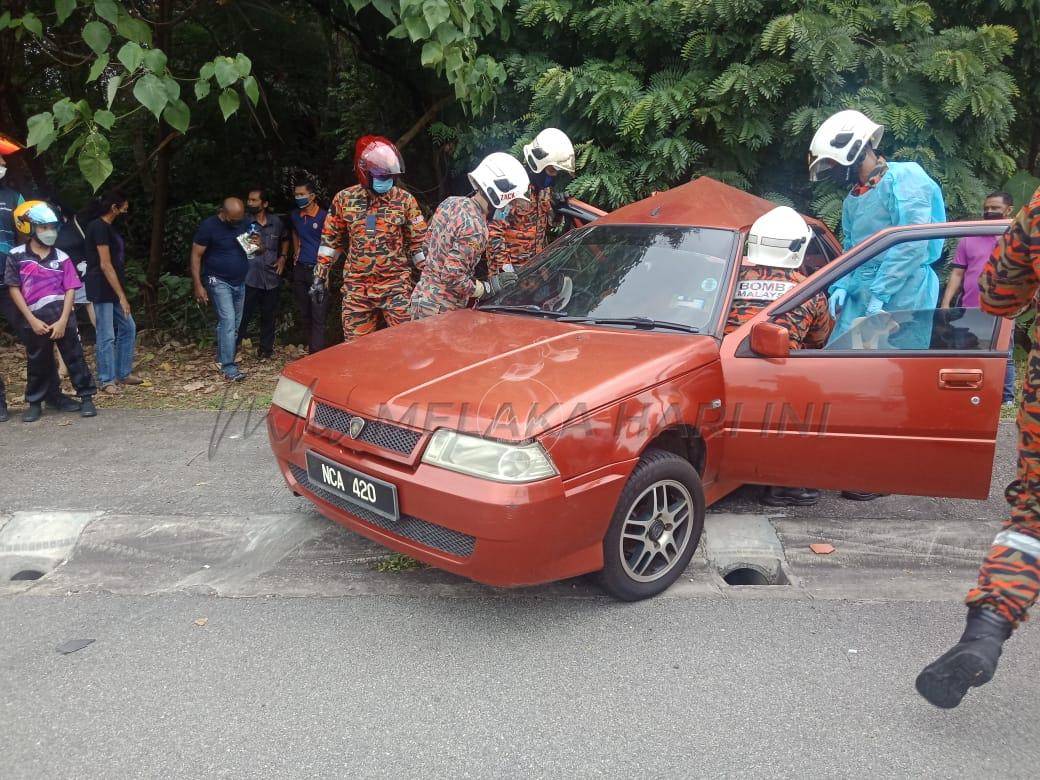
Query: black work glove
[
  {"x": 500, "y": 282},
  {"x": 559, "y": 200},
  {"x": 319, "y": 291}
]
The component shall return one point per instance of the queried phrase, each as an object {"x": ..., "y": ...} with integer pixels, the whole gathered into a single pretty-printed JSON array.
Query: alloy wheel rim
[{"x": 656, "y": 531}]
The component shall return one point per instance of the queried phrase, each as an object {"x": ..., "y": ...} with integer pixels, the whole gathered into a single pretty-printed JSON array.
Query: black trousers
[
  {"x": 312, "y": 317},
  {"x": 40, "y": 351},
  {"x": 17, "y": 324},
  {"x": 266, "y": 302}
]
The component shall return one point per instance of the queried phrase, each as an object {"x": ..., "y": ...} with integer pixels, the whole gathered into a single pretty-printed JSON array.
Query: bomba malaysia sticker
[
  {"x": 762, "y": 289},
  {"x": 710, "y": 284}
]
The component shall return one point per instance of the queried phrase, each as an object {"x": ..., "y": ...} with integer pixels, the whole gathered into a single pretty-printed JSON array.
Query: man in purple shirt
[{"x": 972, "y": 254}]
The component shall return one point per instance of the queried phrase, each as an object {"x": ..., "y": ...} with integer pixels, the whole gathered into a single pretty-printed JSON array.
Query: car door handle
[{"x": 960, "y": 378}]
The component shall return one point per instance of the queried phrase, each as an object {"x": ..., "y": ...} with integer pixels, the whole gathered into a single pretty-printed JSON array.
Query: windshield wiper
[
  {"x": 527, "y": 308},
  {"x": 641, "y": 323}
]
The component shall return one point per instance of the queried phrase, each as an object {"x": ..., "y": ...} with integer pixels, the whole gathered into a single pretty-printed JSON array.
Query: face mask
[
  {"x": 302, "y": 203},
  {"x": 840, "y": 174},
  {"x": 503, "y": 213},
  {"x": 3, "y": 171},
  {"x": 252, "y": 209},
  {"x": 381, "y": 186},
  {"x": 992, "y": 215},
  {"x": 47, "y": 236}
]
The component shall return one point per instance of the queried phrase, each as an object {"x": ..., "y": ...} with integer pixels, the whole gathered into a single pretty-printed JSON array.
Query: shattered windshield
[{"x": 669, "y": 275}]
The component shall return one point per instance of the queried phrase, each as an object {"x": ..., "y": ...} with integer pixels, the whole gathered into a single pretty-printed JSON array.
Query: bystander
[
  {"x": 264, "y": 278},
  {"x": 218, "y": 270}
]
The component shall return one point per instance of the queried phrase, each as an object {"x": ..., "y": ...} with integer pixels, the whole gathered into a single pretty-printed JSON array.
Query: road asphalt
[{"x": 238, "y": 633}]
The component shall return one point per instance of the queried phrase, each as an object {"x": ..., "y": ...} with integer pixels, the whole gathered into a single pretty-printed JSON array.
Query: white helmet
[
  {"x": 779, "y": 239},
  {"x": 550, "y": 147},
  {"x": 501, "y": 179},
  {"x": 840, "y": 141}
]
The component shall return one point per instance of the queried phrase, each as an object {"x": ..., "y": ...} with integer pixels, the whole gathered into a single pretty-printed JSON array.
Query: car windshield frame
[{"x": 700, "y": 307}]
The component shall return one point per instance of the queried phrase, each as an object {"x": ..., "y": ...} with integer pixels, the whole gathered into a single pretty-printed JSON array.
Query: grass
[{"x": 397, "y": 562}]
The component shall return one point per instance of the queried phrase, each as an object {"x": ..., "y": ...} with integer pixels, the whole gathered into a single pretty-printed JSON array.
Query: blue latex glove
[
  {"x": 875, "y": 306},
  {"x": 836, "y": 301}
]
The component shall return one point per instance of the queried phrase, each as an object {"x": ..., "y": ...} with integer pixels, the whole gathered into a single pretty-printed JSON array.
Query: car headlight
[
  {"x": 292, "y": 396},
  {"x": 488, "y": 459}
]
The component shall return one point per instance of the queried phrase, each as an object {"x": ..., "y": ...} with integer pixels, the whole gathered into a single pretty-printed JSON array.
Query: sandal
[
  {"x": 131, "y": 379},
  {"x": 112, "y": 389}
]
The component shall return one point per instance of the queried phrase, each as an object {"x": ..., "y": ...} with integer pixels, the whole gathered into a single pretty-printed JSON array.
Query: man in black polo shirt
[{"x": 218, "y": 257}]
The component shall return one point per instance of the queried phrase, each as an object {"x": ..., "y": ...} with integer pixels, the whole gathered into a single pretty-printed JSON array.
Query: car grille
[
  {"x": 427, "y": 534},
  {"x": 377, "y": 433}
]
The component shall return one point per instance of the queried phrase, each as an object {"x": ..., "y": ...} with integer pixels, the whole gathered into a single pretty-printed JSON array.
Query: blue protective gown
[{"x": 902, "y": 277}]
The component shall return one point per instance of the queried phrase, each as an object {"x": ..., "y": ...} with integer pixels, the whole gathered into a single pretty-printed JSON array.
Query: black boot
[
  {"x": 33, "y": 413},
  {"x": 785, "y": 496},
  {"x": 969, "y": 663},
  {"x": 854, "y": 495},
  {"x": 4, "y": 414},
  {"x": 62, "y": 403},
  {"x": 87, "y": 408}
]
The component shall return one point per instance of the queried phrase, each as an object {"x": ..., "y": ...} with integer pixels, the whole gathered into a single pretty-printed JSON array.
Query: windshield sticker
[
  {"x": 762, "y": 289},
  {"x": 710, "y": 284}
]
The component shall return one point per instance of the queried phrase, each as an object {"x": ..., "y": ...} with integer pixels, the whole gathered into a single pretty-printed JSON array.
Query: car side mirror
[{"x": 770, "y": 340}]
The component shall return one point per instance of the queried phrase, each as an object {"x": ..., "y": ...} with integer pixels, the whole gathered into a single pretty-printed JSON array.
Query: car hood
[{"x": 506, "y": 376}]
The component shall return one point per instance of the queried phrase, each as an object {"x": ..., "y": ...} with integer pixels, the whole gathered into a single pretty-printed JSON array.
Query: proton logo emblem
[{"x": 356, "y": 426}]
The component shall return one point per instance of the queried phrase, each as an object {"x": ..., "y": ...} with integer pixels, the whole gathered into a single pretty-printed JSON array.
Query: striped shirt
[{"x": 42, "y": 280}]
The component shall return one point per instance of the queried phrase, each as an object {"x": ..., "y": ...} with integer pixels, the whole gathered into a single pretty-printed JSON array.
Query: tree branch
[
  {"x": 141, "y": 165},
  {"x": 422, "y": 122}
]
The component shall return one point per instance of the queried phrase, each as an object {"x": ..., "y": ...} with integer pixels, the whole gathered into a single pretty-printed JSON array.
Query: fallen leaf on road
[
  {"x": 201, "y": 622},
  {"x": 65, "y": 422},
  {"x": 209, "y": 389},
  {"x": 166, "y": 366},
  {"x": 822, "y": 549},
  {"x": 193, "y": 387},
  {"x": 147, "y": 383}
]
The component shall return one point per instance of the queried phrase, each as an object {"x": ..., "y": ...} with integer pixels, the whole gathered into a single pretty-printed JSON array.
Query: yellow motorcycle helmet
[{"x": 22, "y": 225}]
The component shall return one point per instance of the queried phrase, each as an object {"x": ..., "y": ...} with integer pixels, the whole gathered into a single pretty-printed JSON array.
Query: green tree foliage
[
  {"x": 128, "y": 72},
  {"x": 655, "y": 92}
]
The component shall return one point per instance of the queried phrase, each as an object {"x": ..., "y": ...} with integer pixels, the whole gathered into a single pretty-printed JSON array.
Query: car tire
[{"x": 662, "y": 487}]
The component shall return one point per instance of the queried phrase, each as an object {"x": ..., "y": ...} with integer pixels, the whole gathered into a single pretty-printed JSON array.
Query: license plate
[{"x": 360, "y": 489}]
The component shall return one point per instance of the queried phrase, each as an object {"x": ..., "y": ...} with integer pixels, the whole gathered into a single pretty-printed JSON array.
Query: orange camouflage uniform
[
  {"x": 759, "y": 285},
  {"x": 521, "y": 235},
  {"x": 378, "y": 235},
  {"x": 455, "y": 242},
  {"x": 1009, "y": 579}
]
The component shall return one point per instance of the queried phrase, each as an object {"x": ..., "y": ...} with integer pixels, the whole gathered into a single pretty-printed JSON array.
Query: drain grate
[
  {"x": 759, "y": 573},
  {"x": 26, "y": 574}
]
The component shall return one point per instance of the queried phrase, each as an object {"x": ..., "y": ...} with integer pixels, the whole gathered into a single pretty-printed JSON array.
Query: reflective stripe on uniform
[{"x": 1021, "y": 542}]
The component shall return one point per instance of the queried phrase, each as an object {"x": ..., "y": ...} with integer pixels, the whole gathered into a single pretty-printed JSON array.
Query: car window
[
  {"x": 907, "y": 279},
  {"x": 818, "y": 254},
  {"x": 670, "y": 274}
]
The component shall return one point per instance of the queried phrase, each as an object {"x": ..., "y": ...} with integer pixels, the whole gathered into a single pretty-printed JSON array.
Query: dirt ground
[{"x": 177, "y": 376}]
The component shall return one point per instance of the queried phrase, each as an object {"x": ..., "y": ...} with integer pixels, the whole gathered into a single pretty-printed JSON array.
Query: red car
[{"x": 583, "y": 420}]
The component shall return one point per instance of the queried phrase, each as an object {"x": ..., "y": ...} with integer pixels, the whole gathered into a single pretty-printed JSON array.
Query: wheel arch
[{"x": 682, "y": 440}]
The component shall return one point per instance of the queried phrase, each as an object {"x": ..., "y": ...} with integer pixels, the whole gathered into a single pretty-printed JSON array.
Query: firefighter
[
  {"x": 524, "y": 233},
  {"x": 378, "y": 228},
  {"x": 776, "y": 249},
  {"x": 458, "y": 237},
  {"x": 1009, "y": 579}
]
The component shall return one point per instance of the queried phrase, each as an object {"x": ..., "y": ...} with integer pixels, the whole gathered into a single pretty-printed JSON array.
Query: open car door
[{"x": 905, "y": 402}]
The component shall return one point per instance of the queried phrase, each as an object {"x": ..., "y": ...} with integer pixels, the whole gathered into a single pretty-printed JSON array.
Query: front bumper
[{"x": 493, "y": 533}]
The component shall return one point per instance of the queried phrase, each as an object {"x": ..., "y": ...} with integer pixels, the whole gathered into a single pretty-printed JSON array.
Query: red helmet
[{"x": 376, "y": 156}]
